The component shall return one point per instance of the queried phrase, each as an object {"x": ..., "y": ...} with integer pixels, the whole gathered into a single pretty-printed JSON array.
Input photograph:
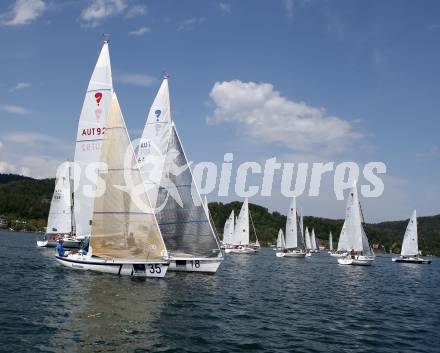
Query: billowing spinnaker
[
  {"x": 91, "y": 129},
  {"x": 124, "y": 226}
]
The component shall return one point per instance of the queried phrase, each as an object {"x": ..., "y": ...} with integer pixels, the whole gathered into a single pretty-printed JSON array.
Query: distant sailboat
[
  {"x": 353, "y": 240},
  {"x": 188, "y": 233},
  {"x": 308, "y": 241},
  {"x": 314, "y": 244},
  {"x": 240, "y": 243},
  {"x": 228, "y": 231},
  {"x": 294, "y": 246},
  {"x": 330, "y": 243},
  {"x": 410, "y": 247},
  {"x": 281, "y": 242},
  {"x": 125, "y": 237},
  {"x": 60, "y": 222}
]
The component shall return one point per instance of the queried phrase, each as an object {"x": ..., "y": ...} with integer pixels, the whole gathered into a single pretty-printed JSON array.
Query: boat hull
[
  {"x": 121, "y": 268},
  {"x": 335, "y": 254},
  {"x": 411, "y": 260},
  {"x": 201, "y": 265},
  {"x": 357, "y": 261},
  {"x": 297, "y": 255},
  {"x": 71, "y": 243},
  {"x": 241, "y": 250}
]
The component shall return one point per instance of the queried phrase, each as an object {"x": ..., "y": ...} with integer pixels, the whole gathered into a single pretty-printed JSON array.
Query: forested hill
[{"x": 29, "y": 199}]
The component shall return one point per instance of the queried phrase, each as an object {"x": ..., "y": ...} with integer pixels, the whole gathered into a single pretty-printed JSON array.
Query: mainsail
[
  {"x": 124, "y": 226},
  {"x": 410, "y": 242},
  {"x": 313, "y": 240},
  {"x": 228, "y": 231},
  {"x": 353, "y": 236},
  {"x": 182, "y": 218},
  {"x": 281, "y": 244},
  {"x": 330, "y": 242},
  {"x": 91, "y": 128},
  {"x": 294, "y": 238},
  {"x": 153, "y": 145},
  {"x": 60, "y": 213},
  {"x": 241, "y": 231},
  {"x": 308, "y": 240}
]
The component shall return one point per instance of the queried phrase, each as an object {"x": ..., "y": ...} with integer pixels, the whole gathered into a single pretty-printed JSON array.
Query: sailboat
[
  {"x": 281, "y": 242},
  {"x": 124, "y": 235},
  {"x": 60, "y": 222},
  {"x": 410, "y": 247},
  {"x": 308, "y": 241},
  {"x": 294, "y": 246},
  {"x": 228, "y": 231},
  {"x": 240, "y": 239},
  {"x": 314, "y": 243},
  {"x": 330, "y": 243},
  {"x": 188, "y": 233},
  {"x": 353, "y": 239}
]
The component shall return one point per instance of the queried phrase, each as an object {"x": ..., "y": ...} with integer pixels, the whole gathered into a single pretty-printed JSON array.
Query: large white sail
[
  {"x": 291, "y": 226},
  {"x": 60, "y": 213},
  {"x": 330, "y": 242},
  {"x": 410, "y": 242},
  {"x": 241, "y": 231},
  {"x": 124, "y": 226},
  {"x": 353, "y": 236},
  {"x": 91, "y": 128},
  {"x": 281, "y": 244},
  {"x": 313, "y": 240},
  {"x": 308, "y": 240},
  {"x": 153, "y": 145},
  {"x": 228, "y": 231}
]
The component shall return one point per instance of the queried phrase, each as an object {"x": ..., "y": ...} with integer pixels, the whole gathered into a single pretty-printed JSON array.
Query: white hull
[
  {"x": 294, "y": 254},
  {"x": 51, "y": 243},
  {"x": 335, "y": 254},
  {"x": 308, "y": 254},
  {"x": 411, "y": 260},
  {"x": 122, "y": 268},
  {"x": 241, "y": 250},
  {"x": 356, "y": 261},
  {"x": 203, "y": 265}
]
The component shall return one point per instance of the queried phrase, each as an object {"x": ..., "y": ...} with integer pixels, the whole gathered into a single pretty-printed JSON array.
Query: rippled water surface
[{"x": 254, "y": 303}]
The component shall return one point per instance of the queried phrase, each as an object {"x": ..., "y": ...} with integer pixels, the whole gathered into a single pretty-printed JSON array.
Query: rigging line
[{"x": 252, "y": 222}]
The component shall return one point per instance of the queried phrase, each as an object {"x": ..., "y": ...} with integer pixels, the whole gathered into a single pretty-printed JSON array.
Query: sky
[{"x": 299, "y": 80}]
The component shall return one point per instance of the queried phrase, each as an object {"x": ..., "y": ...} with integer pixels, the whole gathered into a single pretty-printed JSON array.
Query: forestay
[
  {"x": 410, "y": 242},
  {"x": 182, "y": 218},
  {"x": 60, "y": 213},
  {"x": 91, "y": 128},
  {"x": 124, "y": 226}
]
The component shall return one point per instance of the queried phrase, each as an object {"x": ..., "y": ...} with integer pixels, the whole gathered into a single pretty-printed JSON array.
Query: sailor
[
  {"x": 352, "y": 253},
  {"x": 60, "y": 247}
]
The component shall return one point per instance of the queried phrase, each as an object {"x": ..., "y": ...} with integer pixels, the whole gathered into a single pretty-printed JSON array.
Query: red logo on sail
[{"x": 98, "y": 97}]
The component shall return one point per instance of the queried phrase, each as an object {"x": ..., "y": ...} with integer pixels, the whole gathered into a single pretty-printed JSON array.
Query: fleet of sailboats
[
  {"x": 145, "y": 215},
  {"x": 410, "y": 245}
]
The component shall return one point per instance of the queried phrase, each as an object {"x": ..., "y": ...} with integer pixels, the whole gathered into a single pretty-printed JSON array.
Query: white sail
[
  {"x": 281, "y": 244},
  {"x": 308, "y": 240},
  {"x": 124, "y": 226},
  {"x": 60, "y": 213},
  {"x": 241, "y": 231},
  {"x": 302, "y": 224},
  {"x": 153, "y": 145},
  {"x": 353, "y": 236},
  {"x": 91, "y": 128},
  {"x": 292, "y": 226},
  {"x": 410, "y": 242},
  {"x": 330, "y": 242},
  {"x": 228, "y": 231},
  {"x": 314, "y": 244}
]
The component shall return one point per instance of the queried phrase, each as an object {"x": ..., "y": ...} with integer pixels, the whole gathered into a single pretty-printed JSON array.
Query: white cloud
[
  {"x": 35, "y": 166},
  {"x": 263, "y": 114},
  {"x": 101, "y": 9},
  {"x": 190, "y": 23},
  {"x": 224, "y": 7},
  {"x": 14, "y": 109},
  {"x": 31, "y": 139},
  {"x": 23, "y": 12},
  {"x": 19, "y": 86},
  {"x": 288, "y": 6},
  {"x": 135, "y": 11},
  {"x": 139, "y": 32},
  {"x": 135, "y": 79}
]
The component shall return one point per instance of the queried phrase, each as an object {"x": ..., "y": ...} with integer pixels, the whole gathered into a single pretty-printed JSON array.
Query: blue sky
[{"x": 365, "y": 73}]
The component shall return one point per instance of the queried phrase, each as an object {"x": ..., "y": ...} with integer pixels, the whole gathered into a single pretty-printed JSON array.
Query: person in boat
[
  {"x": 352, "y": 253},
  {"x": 60, "y": 247},
  {"x": 85, "y": 246}
]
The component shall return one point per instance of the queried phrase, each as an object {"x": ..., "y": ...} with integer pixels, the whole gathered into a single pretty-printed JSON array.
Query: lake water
[{"x": 255, "y": 303}]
